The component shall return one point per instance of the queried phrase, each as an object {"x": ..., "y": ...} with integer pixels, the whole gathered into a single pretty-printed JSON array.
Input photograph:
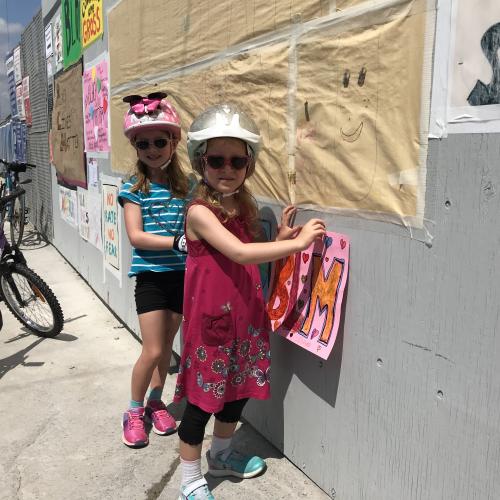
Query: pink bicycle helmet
[{"x": 151, "y": 111}]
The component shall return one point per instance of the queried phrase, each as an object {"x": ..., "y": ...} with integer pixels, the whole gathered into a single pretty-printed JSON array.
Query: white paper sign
[
  {"x": 68, "y": 205},
  {"x": 83, "y": 213},
  {"x": 17, "y": 64},
  {"x": 48, "y": 41},
  {"x": 95, "y": 218},
  {"x": 111, "y": 238},
  {"x": 92, "y": 174}
]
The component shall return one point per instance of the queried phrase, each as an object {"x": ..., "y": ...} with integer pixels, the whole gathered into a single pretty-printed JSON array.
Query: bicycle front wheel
[
  {"x": 31, "y": 301},
  {"x": 17, "y": 214}
]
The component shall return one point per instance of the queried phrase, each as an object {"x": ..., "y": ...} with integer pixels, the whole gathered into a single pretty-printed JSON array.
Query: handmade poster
[
  {"x": 83, "y": 212},
  {"x": 67, "y": 127},
  {"x": 362, "y": 115},
  {"x": 306, "y": 294},
  {"x": 20, "y": 101},
  {"x": 58, "y": 44},
  {"x": 111, "y": 240},
  {"x": 68, "y": 205},
  {"x": 92, "y": 21},
  {"x": 71, "y": 35},
  {"x": 474, "y": 94},
  {"x": 95, "y": 106},
  {"x": 26, "y": 100},
  {"x": 92, "y": 174},
  {"x": 17, "y": 65},
  {"x": 49, "y": 50},
  {"x": 95, "y": 218}
]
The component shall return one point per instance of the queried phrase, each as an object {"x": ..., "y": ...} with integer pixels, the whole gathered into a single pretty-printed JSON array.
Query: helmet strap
[
  {"x": 227, "y": 195},
  {"x": 166, "y": 164}
]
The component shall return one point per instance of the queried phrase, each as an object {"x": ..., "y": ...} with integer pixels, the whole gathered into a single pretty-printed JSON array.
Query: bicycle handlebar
[
  {"x": 17, "y": 166},
  {"x": 9, "y": 197}
]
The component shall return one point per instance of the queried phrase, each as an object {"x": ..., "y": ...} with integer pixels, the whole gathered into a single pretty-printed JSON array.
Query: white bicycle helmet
[{"x": 222, "y": 120}]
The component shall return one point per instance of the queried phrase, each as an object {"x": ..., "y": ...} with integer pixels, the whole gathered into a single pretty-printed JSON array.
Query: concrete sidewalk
[{"x": 62, "y": 401}]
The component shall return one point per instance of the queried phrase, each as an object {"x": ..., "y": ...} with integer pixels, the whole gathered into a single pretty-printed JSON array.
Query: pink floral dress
[{"x": 225, "y": 327}]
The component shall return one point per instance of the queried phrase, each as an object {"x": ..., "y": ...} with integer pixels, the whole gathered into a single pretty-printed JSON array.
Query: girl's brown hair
[
  {"x": 248, "y": 206},
  {"x": 177, "y": 180}
]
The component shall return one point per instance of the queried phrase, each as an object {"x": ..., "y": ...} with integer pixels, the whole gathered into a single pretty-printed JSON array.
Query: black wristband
[{"x": 180, "y": 243}]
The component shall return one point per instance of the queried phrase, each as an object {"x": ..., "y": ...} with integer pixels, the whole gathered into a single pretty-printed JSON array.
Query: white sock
[
  {"x": 191, "y": 471},
  {"x": 219, "y": 444}
]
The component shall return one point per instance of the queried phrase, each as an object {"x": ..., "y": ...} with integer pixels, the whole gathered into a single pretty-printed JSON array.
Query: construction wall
[{"x": 406, "y": 405}]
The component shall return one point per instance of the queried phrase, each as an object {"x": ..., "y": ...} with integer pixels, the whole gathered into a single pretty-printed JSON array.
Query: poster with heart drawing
[{"x": 307, "y": 291}]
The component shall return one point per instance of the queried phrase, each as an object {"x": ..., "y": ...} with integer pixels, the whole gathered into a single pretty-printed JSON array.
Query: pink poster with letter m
[{"x": 307, "y": 290}]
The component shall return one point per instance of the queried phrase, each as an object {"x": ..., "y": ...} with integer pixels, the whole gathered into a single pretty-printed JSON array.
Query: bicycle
[
  {"x": 24, "y": 292},
  {"x": 16, "y": 211}
]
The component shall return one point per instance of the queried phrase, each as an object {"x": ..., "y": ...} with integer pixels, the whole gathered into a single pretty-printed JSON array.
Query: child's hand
[
  {"x": 286, "y": 230},
  {"x": 312, "y": 230}
]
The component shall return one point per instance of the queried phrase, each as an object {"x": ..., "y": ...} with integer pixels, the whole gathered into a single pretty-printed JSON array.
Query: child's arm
[
  {"x": 136, "y": 234},
  {"x": 203, "y": 224}
]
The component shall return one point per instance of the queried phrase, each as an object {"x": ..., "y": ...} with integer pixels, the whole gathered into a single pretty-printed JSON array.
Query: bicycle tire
[
  {"x": 17, "y": 215},
  {"x": 38, "y": 297}
]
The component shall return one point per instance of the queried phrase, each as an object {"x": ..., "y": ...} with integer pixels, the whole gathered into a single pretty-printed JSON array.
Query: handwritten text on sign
[
  {"x": 95, "y": 107},
  {"x": 306, "y": 294},
  {"x": 72, "y": 42},
  {"x": 92, "y": 21},
  {"x": 111, "y": 241}
]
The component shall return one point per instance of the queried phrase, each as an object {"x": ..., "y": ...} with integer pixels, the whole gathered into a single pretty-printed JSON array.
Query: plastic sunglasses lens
[
  {"x": 160, "y": 143},
  {"x": 239, "y": 162},
  {"x": 215, "y": 162}
]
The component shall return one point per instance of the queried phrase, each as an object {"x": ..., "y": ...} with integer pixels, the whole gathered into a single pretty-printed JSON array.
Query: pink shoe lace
[{"x": 134, "y": 433}]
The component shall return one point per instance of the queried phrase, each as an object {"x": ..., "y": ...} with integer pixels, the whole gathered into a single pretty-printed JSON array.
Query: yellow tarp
[
  {"x": 358, "y": 115},
  {"x": 342, "y": 101},
  {"x": 257, "y": 82}
]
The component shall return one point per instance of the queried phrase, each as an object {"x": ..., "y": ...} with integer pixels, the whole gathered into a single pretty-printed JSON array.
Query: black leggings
[{"x": 193, "y": 423}]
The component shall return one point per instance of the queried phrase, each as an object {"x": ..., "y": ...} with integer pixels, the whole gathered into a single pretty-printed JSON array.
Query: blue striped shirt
[{"x": 161, "y": 214}]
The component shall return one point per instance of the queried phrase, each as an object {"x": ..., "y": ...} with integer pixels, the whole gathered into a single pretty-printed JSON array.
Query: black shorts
[{"x": 157, "y": 291}]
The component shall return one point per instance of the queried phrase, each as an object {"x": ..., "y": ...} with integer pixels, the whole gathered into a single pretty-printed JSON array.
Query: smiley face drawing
[
  {"x": 339, "y": 127},
  {"x": 354, "y": 131},
  {"x": 360, "y": 134}
]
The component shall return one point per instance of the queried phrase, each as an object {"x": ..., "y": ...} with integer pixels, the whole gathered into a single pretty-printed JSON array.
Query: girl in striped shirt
[{"x": 154, "y": 200}]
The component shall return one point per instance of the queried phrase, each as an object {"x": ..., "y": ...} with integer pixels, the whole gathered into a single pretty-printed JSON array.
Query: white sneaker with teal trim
[
  {"x": 233, "y": 463},
  {"x": 197, "y": 490}
]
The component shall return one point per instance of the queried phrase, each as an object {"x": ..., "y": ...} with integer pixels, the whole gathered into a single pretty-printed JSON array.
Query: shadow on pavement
[{"x": 20, "y": 358}]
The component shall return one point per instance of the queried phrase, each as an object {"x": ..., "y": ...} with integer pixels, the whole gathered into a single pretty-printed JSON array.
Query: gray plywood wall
[{"x": 408, "y": 404}]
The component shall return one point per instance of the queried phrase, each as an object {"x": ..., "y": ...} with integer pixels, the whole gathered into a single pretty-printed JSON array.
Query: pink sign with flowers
[
  {"x": 307, "y": 290},
  {"x": 96, "y": 106}
]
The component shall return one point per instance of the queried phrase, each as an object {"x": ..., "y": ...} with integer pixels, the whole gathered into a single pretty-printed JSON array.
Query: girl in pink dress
[{"x": 226, "y": 358}]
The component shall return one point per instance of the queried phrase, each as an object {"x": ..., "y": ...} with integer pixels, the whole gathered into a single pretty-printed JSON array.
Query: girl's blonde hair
[
  {"x": 248, "y": 206},
  {"x": 177, "y": 180}
]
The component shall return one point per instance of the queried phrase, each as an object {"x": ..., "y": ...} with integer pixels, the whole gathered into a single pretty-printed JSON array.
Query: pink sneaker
[
  {"x": 163, "y": 422},
  {"x": 134, "y": 433}
]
